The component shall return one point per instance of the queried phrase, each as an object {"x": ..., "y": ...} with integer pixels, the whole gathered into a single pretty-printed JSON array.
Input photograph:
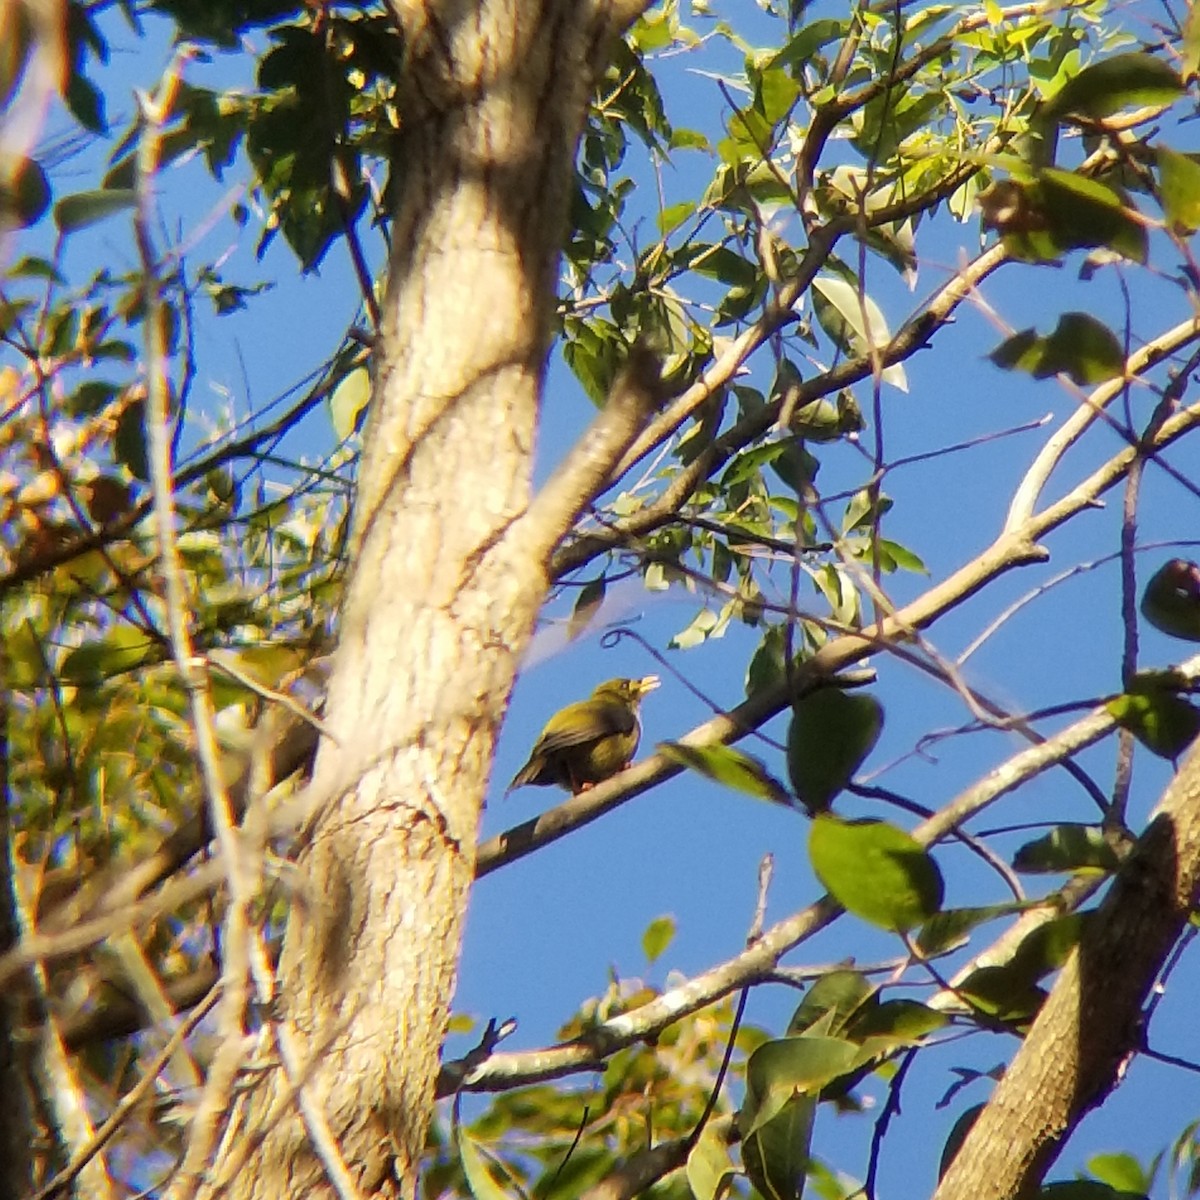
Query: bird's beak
[{"x": 648, "y": 684}]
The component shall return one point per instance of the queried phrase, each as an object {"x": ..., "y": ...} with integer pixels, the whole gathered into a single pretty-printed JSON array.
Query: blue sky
[{"x": 544, "y": 932}]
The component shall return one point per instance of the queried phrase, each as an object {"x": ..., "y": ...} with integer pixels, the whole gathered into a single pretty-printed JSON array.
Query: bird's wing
[{"x": 587, "y": 721}]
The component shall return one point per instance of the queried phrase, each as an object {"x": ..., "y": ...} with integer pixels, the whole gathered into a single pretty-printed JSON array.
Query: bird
[{"x": 588, "y": 741}]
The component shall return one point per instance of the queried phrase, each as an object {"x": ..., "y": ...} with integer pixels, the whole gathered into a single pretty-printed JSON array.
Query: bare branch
[
  {"x": 914, "y": 335},
  {"x": 581, "y": 476},
  {"x": 130, "y": 1100},
  {"x": 1026, "y": 496}
]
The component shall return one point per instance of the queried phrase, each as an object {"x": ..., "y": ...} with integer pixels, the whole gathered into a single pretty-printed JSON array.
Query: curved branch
[
  {"x": 914, "y": 335},
  {"x": 756, "y": 964},
  {"x": 582, "y": 475},
  {"x": 1150, "y": 355}
]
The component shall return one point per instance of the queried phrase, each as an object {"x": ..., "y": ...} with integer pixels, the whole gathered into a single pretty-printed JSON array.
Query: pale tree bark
[
  {"x": 449, "y": 572},
  {"x": 1090, "y": 1025}
]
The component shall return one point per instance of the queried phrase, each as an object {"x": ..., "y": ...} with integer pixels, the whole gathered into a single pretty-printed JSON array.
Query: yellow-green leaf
[{"x": 876, "y": 871}]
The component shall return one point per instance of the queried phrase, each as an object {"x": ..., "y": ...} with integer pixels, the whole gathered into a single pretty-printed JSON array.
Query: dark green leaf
[
  {"x": 82, "y": 209},
  {"x": 1045, "y": 948},
  {"x": 587, "y": 604},
  {"x": 24, "y": 195},
  {"x": 781, "y": 1068},
  {"x": 1067, "y": 848},
  {"x": 958, "y": 1135},
  {"x": 948, "y": 929},
  {"x": 1004, "y": 993},
  {"x": 1162, "y": 721},
  {"x": 795, "y": 465},
  {"x": 730, "y": 767},
  {"x": 1171, "y": 601},
  {"x": 767, "y": 665},
  {"x": 831, "y": 734},
  {"x": 129, "y": 441},
  {"x": 776, "y": 1154},
  {"x": 1122, "y": 81},
  {"x": 1085, "y": 1189},
  {"x": 876, "y": 871},
  {"x": 1081, "y": 347},
  {"x": 86, "y": 102},
  {"x": 831, "y": 1002},
  {"x": 894, "y": 1023},
  {"x": 1179, "y": 189}
]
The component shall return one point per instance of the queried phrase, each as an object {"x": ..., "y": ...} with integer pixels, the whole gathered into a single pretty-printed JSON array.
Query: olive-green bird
[{"x": 589, "y": 741}]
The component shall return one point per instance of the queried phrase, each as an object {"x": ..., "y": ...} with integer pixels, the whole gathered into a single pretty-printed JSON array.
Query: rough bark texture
[
  {"x": 444, "y": 590},
  {"x": 16, "y": 1127},
  {"x": 1091, "y": 1023}
]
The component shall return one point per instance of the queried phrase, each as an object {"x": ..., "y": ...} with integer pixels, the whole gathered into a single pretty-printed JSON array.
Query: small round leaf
[{"x": 876, "y": 871}]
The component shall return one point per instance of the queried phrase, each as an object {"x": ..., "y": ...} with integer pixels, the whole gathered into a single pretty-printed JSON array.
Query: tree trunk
[
  {"x": 1090, "y": 1025},
  {"x": 448, "y": 576}
]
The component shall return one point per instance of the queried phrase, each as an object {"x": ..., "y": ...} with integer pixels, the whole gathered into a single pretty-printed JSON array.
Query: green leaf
[
  {"x": 730, "y": 767},
  {"x": 894, "y": 1023},
  {"x": 1171, "y": 601},
  {"x": 1061, "y": 211},
  {"x": 854, "y": 322},
  {"x": 795, "y": 465},
  {"x": 710, "y": 1166},
  {"x": 948, "y": 929},
  {"x": 1162, "y": 721},
  {"x": 479, "y": 1178},
  {"x": 1067, "y": 848},
  {"x": 782, "y": 1068},
  {"x": 1086, "y": 1189},
  {"x": 1081, "y": 347},
  {"x": 1179, "y": 189},
  {"x": 122, "y": 648},
  {"x": 591, "y": 597},
  {"x": 768, "y": 664},
  {"x": 876, "y": 871},
  {"x": 1004, "y": 993},
  {"x": 1084, "y": 213},
  {"x": 1121, "y": 1171},
  {"x": 82, "y": 209},
  {"x": 958, "y": 1135},
  {"x": 129, "y": 441},
  {"x": 833, "y": 1001},
  {"x": 775, "y": 94},
  {"x": 1046, "y": 947},
  {"x": 672, "y": 217},
  {"x": 658, "y": 936},
  {"x": 1122, "y": 81},
  {"x": 349, "y": 401},
  {"x": 688, "y": 139},
  {"x": 830, "y": 736},
  {"x": 24, "y": 196},
  {"x": 776, "y": 1154}
]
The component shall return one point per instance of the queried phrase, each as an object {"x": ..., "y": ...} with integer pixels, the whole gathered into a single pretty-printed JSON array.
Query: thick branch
[
  {"x": 1150, "y": 355},
  {"x": 582, "y": 475},
  {"x": 1082, "y": 1039}
]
